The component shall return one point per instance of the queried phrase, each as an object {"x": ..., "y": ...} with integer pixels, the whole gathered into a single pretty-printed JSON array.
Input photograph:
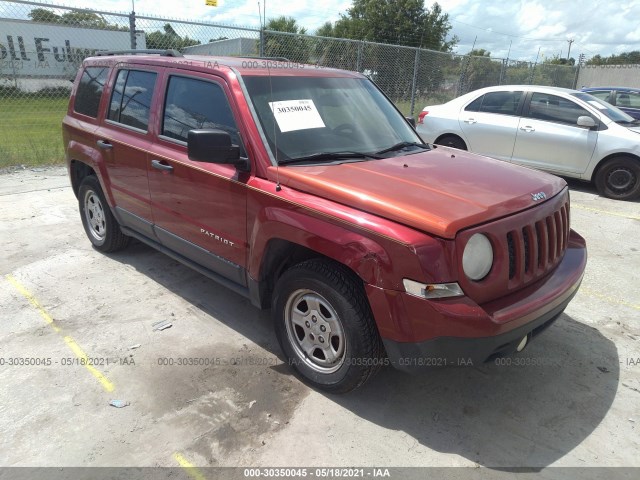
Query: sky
[{"x": 521, "y": 30}]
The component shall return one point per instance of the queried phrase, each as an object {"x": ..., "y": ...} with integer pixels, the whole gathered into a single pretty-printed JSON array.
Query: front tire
[
  {"x": 325, "y": 327},
  {"x": 99, "y": 223},
  {"x": 619, "y": 178}
]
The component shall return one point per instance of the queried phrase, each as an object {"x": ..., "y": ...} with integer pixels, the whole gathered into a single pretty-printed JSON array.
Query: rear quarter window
[{"x": 90, "y": 90}]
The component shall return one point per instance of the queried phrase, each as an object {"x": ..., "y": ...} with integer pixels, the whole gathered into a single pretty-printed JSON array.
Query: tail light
[{"x": 422, "y": 115}]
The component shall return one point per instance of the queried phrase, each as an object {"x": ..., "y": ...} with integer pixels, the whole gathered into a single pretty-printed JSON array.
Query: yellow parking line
[
  {"x": 75, "y": 348},
  {"x": 32, "y": 300},
  {"x": 108, "y": 386},
  {"x": 596, "y": 210},
  {"x": 192, "y": 471},
  {"x": 608, "y": 298}
]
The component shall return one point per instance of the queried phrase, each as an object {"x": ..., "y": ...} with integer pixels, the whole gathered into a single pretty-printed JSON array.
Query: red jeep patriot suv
[{"x": 305, "y": 190}]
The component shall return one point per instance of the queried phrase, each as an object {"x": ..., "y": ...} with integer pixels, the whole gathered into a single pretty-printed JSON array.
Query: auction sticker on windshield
[
  {"x": 296, "y": 115},
  {"x": 598, "y": 105}
]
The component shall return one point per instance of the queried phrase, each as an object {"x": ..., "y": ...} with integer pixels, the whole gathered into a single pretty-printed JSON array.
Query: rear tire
[
  {"x": 325, "y": 326},
  {"x": 452, "y": 141},
  {"x": 619, "y": 178},
  {"x": 99, "y": 223}
]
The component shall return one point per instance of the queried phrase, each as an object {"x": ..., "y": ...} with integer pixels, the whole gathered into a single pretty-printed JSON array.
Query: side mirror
[
  {"x": 586, "y": 121},
  {"x": 412, "y": 121},
  {"x": 214, "y": 146}
]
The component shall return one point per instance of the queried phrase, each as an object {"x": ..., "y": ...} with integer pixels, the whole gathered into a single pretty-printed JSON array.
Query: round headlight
[{"x": 477, "y": 258}]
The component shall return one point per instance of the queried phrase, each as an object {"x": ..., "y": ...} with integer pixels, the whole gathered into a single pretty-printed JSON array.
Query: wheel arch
[
  {"x": 78, "y": 171},
  {"x": 444, "y": 135},
  {"x": 277, "y": 245},
  {"x": 278, "y": 256},
  {"x": 598, "y": 166}
]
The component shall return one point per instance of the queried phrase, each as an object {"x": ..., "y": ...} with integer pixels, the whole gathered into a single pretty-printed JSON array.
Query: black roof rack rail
[
  {"x": 277, "y": 59},
  {"x": 169, "y": 52}
]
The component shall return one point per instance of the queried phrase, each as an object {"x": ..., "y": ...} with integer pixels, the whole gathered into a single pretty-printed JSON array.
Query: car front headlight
[{"x": 477, "y": 258}]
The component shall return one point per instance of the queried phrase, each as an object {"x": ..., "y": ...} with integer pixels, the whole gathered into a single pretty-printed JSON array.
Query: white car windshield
[{"x": 328, "y": 118}]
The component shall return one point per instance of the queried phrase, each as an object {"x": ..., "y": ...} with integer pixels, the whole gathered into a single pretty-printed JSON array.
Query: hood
[{"x": 440, "y": 191}]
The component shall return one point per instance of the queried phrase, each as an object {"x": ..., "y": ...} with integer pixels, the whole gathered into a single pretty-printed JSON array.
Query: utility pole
[{"x": 569, "y": 52}]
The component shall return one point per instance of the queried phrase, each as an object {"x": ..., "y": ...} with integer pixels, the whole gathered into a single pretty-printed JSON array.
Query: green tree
[
  {"x": 335, "y": 53},
  {"x": 285, "y": 24},
  {"x": 558, "y": 60},
  {"x": 169, "y": 38},
  {"x": 625, "y": 58},
  {"x": 398, "y": 22},
  {"x": 326, "y": 30},
  {"x": 294, "y": 47},
  {"x": 76, "y": 18},
  {"x": 43, "y": 15},
  {"x": 395, "y": 22},
  {"x": 479, "y": 70}
]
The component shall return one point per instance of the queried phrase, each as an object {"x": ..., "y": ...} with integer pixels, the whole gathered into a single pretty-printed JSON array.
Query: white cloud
[{"x": 597, "y": 26}]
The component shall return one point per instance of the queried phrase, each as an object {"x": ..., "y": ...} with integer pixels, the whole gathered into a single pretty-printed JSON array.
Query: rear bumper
[{"x": 458, "y": 332}]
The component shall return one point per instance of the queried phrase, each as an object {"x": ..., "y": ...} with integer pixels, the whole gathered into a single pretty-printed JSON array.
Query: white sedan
[{"x": 562, "y": 131}]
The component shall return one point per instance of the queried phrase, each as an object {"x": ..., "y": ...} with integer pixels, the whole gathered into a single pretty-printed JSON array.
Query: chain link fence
[{"x": 42, "y": 45}]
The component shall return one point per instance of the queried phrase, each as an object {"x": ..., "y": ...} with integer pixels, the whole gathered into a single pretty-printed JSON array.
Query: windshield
[
  {"x": 320, "y": 117},
  {"x": 605, "y": 108}
]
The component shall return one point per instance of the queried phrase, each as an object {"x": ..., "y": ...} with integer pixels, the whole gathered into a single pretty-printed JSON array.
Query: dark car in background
[{"x": 626, "y": 99}]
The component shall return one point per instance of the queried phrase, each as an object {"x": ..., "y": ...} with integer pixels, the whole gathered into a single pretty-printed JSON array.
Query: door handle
[
  {"x": 161, "y": 166},
  {"x": 528, "y": 129},
  {"x": 104, "y": 144},
  {"x": 470, "y": 121}
]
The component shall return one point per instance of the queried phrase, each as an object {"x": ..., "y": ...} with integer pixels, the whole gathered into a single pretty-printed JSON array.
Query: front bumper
[{"x": 420, "y": 333}]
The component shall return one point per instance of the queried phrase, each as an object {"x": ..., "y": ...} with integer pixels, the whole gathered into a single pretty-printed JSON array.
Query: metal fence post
[
  {"x": 261, "y": 53},
  {"x": 577, "y": 75},
  {"x": 359, "y": 57},
  {"x": 532, "y": 66},
  {"x": 415, "y": 81},
  {"x": 132, "y": 29},
  {"x": 503, "y": 71},
  {"x": 463, "y": 74}
]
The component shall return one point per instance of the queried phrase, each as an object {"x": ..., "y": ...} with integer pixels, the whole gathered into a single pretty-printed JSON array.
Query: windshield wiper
[
  {"x": 328, "y": 156},
  {"x": 403, "y": 145}
]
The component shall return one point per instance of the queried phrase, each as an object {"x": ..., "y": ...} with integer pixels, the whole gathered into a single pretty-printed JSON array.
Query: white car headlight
[{"x": 477, "y": 258}]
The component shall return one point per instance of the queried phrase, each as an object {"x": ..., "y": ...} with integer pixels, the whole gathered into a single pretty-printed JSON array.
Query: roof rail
[
  {"x": 169, "y": 52},
  {"x": 277, "y": 59}
]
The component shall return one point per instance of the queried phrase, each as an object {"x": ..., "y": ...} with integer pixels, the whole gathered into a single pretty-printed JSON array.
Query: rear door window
[
  {"x": 90, "y": 90},
  {"x": 504, "y": 103},
  {"x": 131, "y": 98}
]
